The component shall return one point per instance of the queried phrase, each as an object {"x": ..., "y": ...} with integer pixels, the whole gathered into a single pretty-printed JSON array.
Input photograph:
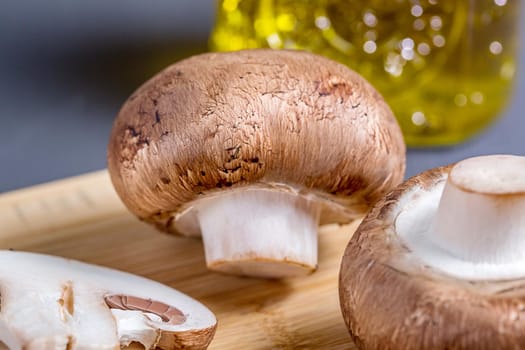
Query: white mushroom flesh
[
  {"x": 260, "y": 233},
  {"x": 135, "y": 326},
  {"x": 470, "y": 224},
  {"x": 53, "y": 303},
  {"x": 92, "y": 323}
]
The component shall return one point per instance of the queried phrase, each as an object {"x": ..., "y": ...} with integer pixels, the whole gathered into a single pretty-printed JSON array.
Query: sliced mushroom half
[
  {"x": 53, "y": 303},
  {"x": 440, "y": 262},
  {"x": 253, "y": 149}
]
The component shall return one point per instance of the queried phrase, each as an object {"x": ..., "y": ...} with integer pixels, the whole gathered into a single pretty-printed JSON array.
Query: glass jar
[{"x": 445, "y": 66}]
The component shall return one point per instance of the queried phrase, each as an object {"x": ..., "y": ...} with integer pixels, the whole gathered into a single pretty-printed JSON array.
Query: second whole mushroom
[
  {"x": 253, "y": 150},
  {"x": 439, "y": 262}
]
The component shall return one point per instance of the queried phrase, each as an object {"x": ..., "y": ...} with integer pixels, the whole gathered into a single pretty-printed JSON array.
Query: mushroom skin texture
[
  {"x": 414, "y": 290},
  {"x": 261, "y": 124},
  {"x": 48, "y": 302}
]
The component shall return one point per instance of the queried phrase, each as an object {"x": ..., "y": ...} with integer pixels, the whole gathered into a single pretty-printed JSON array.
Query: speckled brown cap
[
  {"x": 279, "y": 120},
  {"x": 391, "y": 299}
]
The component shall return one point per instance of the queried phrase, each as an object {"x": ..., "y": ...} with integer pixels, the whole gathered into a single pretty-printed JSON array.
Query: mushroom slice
[
  {"x": 253, "y": 150},
  {"x": 53, "y": 303},
  {"x": 440, "y": 262}
]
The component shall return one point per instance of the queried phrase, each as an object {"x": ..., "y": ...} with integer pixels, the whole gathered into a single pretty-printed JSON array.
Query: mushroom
[
  {"x": 252, "y": 150},
  {"x": 48, "y": 302},
  {"x": 439, "y": 263}
]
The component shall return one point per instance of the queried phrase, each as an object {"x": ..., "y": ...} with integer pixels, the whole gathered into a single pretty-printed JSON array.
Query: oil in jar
[{"x": 445, "y": 66}]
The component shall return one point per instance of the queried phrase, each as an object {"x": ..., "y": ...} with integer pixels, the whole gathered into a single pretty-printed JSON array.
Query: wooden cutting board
[{"x": 82, "y": 218}]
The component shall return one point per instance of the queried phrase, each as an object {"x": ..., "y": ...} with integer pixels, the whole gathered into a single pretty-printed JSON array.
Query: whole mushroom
[
  {"x": 49, "y": 302},
  {"x": 252, "y": 150},
  {"x": 439, "y": 263}
]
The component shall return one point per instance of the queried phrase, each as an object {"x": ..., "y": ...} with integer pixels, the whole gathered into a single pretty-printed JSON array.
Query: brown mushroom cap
[
  {"x": 391, "y": 299},
  {"x": 277, "y": 120}
]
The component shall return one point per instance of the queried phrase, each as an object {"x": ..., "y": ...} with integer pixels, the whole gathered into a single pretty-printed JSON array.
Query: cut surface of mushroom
[
  {"x": 470, "y": 224},
  {"x": 438, "y": 263},
  {"x": 252, "y": 150},
  {"x": 54, "y": 303}
]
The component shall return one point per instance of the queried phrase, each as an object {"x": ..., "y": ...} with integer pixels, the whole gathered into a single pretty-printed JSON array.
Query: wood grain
[{"x": 82, "y": 218}]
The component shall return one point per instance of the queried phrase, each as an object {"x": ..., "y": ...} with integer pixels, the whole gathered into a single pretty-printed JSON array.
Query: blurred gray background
[{"x": 66, "y": 67}]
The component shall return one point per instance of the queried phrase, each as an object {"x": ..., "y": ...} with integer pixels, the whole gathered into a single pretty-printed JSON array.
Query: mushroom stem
[
  {"x": 260, "y": 233},
  {"x": 480, "y": 215}
]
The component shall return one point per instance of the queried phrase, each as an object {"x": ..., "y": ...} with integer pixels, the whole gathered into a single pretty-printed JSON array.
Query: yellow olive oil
[{"x": 445, "y": 66}]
